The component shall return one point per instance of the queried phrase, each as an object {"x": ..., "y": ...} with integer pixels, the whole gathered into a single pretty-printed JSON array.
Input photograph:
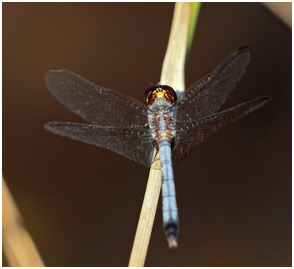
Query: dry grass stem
[
  {"x": 18, "y": 246},
  {"x": 173, "y": 68},
  {"x": 282, "y": 10},
  {"x": 146, "y": 219},
  {"x": 173, "y": 75}
]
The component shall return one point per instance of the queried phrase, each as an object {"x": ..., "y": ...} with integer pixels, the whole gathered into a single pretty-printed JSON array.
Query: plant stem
[
  {"x": 18, "y": 246},
  {"x": 172, "y": 74}
]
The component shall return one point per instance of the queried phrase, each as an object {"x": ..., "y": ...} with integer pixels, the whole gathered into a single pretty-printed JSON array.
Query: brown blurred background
[{"x": 81, "y": 203}]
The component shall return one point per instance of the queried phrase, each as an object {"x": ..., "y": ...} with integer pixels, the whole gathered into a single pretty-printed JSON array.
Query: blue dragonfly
[{"x": 168, "y": 124}]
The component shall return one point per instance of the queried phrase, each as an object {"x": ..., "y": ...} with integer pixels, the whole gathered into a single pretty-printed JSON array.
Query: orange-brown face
[{"x": 160, "y": 91}]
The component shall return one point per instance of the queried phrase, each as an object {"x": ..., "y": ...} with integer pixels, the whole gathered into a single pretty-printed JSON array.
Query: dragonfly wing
[
  {"x": 207, "y": 95},
  {"x": 95, "y": 104},
  {"x": 133, "y": 144},
  {"x": 192, "y": 134}
]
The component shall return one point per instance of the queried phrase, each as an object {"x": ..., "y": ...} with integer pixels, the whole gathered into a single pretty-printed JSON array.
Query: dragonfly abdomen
[
  {"x": 169, "y": 205},
  {"x": 163, "y": 133}
]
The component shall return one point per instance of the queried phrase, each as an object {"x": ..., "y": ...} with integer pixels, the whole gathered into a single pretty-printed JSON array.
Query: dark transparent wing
[
  {"x": 134, "y": 144},
  {"x": 191, "y": 134},
  {"x": 95, "y": 104},
  {"x": 207, "y": 95}
]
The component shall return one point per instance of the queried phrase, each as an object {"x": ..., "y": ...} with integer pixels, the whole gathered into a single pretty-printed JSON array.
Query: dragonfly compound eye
[{"x": 160, "y": 91}]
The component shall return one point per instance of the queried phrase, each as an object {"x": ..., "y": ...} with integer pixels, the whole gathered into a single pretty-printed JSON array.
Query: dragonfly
[{"x": 167, "y": 126}]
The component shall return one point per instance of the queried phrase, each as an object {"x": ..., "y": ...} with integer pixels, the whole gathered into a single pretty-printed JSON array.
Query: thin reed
[
  {"x": 19, "y": 248},
  {"x": 172, "y": 74}
]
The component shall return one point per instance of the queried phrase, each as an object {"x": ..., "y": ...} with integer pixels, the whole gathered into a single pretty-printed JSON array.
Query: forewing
[
  {"x": 134, "y": 144},
  {"x": 191, "y": 134},
  {"x": 206, "y": 96},
  {"x": 96, "y": 104}
]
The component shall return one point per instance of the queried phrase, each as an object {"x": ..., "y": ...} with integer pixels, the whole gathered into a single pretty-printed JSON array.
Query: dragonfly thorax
[{"x": 162, "y": 123}]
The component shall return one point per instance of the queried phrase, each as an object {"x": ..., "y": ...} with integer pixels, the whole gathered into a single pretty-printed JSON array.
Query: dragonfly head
[{"x": 160, "y": 92}]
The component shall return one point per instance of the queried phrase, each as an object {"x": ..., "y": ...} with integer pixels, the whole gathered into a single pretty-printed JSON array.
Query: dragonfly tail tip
[{"x": 173, "y": 244}]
